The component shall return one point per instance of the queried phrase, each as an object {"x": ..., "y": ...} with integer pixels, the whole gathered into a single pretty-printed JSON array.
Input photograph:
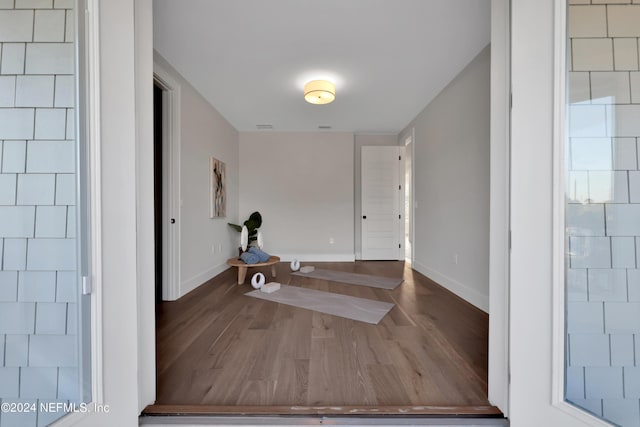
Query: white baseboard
[
  {"x": 197, "y": 280},
  {"x": 318, "y": 257},
  {"x": 463, "y": 291}
]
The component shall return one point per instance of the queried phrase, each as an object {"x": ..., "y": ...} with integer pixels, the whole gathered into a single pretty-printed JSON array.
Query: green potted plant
[{"x": 253, "y": 224}]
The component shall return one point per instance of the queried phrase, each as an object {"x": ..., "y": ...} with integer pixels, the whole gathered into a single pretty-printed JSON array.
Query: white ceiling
[{"x": 388, "y": 58}]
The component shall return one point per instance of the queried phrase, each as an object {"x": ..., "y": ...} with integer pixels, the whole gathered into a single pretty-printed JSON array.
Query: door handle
[
  {"x": 364, "y": 217},
  {"x": 173, "y": 221}
]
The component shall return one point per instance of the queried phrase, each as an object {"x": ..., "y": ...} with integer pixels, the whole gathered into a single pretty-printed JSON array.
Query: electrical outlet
[{"x": 331, "y": 240}]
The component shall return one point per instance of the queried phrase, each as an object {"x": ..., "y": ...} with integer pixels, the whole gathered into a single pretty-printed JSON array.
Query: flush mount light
[{"x": 319, "y": 92}]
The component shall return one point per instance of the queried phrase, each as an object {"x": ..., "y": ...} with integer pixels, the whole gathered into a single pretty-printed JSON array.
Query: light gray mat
[
  {"x": 352, "y": 278},
  {"x": 364, "y": 310}
]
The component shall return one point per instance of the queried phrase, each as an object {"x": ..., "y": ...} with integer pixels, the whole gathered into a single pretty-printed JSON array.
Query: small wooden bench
[{"x": 243, "y": 267}]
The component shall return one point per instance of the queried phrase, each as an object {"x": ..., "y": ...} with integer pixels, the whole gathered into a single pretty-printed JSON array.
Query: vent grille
[
  {"x": 324, "y": 127},
  {"x": 264, "y": 126}
]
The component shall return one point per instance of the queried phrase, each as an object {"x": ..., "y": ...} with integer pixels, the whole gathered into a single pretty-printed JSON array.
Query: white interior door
[{"x": 381, "y": 200}]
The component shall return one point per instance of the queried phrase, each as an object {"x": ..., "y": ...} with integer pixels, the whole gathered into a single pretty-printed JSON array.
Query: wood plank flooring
[{"x": 218, "y": 350}]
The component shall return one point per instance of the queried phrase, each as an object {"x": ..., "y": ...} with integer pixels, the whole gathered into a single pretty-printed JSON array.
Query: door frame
[
  {"x": 171, "y": 101},
  {"x": 402, "y": 142},
  {"x": 499, "y": 357}
]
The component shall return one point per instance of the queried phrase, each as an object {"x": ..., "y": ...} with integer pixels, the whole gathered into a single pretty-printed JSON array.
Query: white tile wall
[
  {"x": 9, "y": 382},
  {"x": 633, "y": 281},
  {"x": 36, "y": 189},
  {"x": 589, "y": 350},
  {"x": 608, "y": 187},
  {"x": 594, "y": 54},
  {"x": 53, "y": 351},
  {"x": 603, "y": 383},
  {"x": 585, "y": 220},
  {"x": 587, "y": 21},
  {"x": 575, "y": 383},
  {"x": 64, "y": 92},
  {"x": 65, "y": 189},
  {"x": 7, "y": 189},
  {"x": 635, "y": 87},
  {"x": 63, "y": 4},
  {"x": 626, "y": 120},
  {"x": 623, "y": 412},
  {"x": 13, "y": 58},
  {"x": 49, "y": 58},
  {"x": 590, "y": 252},
  {"x": 585, "y": 318},
  {"x": 15, "y": 254},
  {"x": 51, "y": 254},
  {"x": 14, "y": 156},
  {"x": 38, "y": 382},
  {"x": 16, "y": 25},
  {"x": 17, "y": 318},
  {"x": 16, "y": 221},
  {"x": 622, "y": 350},
  {"x": 624, "y": 154},
  {"x": 623, "y": 252},
  {"x": 607, "y": 285},
  {"x": 8, "y": 288},
  {"x": 577, "y": 285},
  {"x": 634, "y": 186},
  {"x": 51, "y": 221},
  {"x": 623, "y": 21},
  {"x": 51, "y": 318},
  {"x": 622, "y": 220},
  {"x": 37, "y": 286},
  {"x": 67, "y": 384},
  {"x": 34, "y": 4},
  {"x": 622, "y": 318},
  {"x": 7, "y": 91},
  {"x": 17, "y": 350},
  {"x": 49, "y": 26},
  {"x": 591, "y": 405},
  {"x": 625, "y": 54},
  {"x": 34, "y": 91},
  {"x": 50, "y": 123},
  {"x": 579, "y": 88},
  {"x": 16, "y": 123},
  {"x": 51, "y": 156},
  {"x": 66, "y": 289},
  {"x": 609, "y": 87}
]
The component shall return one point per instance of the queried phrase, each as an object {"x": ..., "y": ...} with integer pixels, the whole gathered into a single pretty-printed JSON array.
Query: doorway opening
[{"x": 157, "y": 189}]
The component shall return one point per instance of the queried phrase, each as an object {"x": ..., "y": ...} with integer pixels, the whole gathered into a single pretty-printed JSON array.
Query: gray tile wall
[
  {"x": 603, "y": 210},
  {"x": 38, "y": 287}
]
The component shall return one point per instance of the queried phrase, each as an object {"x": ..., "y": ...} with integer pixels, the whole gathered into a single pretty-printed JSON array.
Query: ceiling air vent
[
  {"x": 324, "y": 127},
  {"x": 264, "y": 126}
]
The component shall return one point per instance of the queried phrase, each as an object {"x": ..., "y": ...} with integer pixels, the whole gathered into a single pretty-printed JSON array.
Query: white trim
[
  {"x": 403, "y": 142},
  {"x": 171, "y": 288},
  {"x": 93, "y": 132},
  {"x": 199, "y": 279},
  {"x": 318, "y": 257},
  {"x": 145, "y": 230},
  {"x": 499, "y": 207},
  {"x": 463, "y": 291},
  {"x": 558, "y": 333}
]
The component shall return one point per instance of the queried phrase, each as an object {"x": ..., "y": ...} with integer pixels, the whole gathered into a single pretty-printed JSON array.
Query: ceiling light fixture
[{"x": 319, "y": 92}]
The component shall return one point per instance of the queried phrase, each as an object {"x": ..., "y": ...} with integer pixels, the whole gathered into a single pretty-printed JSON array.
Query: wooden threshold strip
[{"x": 431, "y": 411}]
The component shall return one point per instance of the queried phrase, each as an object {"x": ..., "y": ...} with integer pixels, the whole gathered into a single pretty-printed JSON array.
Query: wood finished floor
[{"x": 217, "y": 347}]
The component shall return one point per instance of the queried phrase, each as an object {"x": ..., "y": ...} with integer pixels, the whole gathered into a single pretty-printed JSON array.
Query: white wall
[
  {"x": 302, "y": 184},
  {"x": 361, "y": 141},
  {"x": 203, "y": 133},
  {"x": 451, "y": 168}
]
